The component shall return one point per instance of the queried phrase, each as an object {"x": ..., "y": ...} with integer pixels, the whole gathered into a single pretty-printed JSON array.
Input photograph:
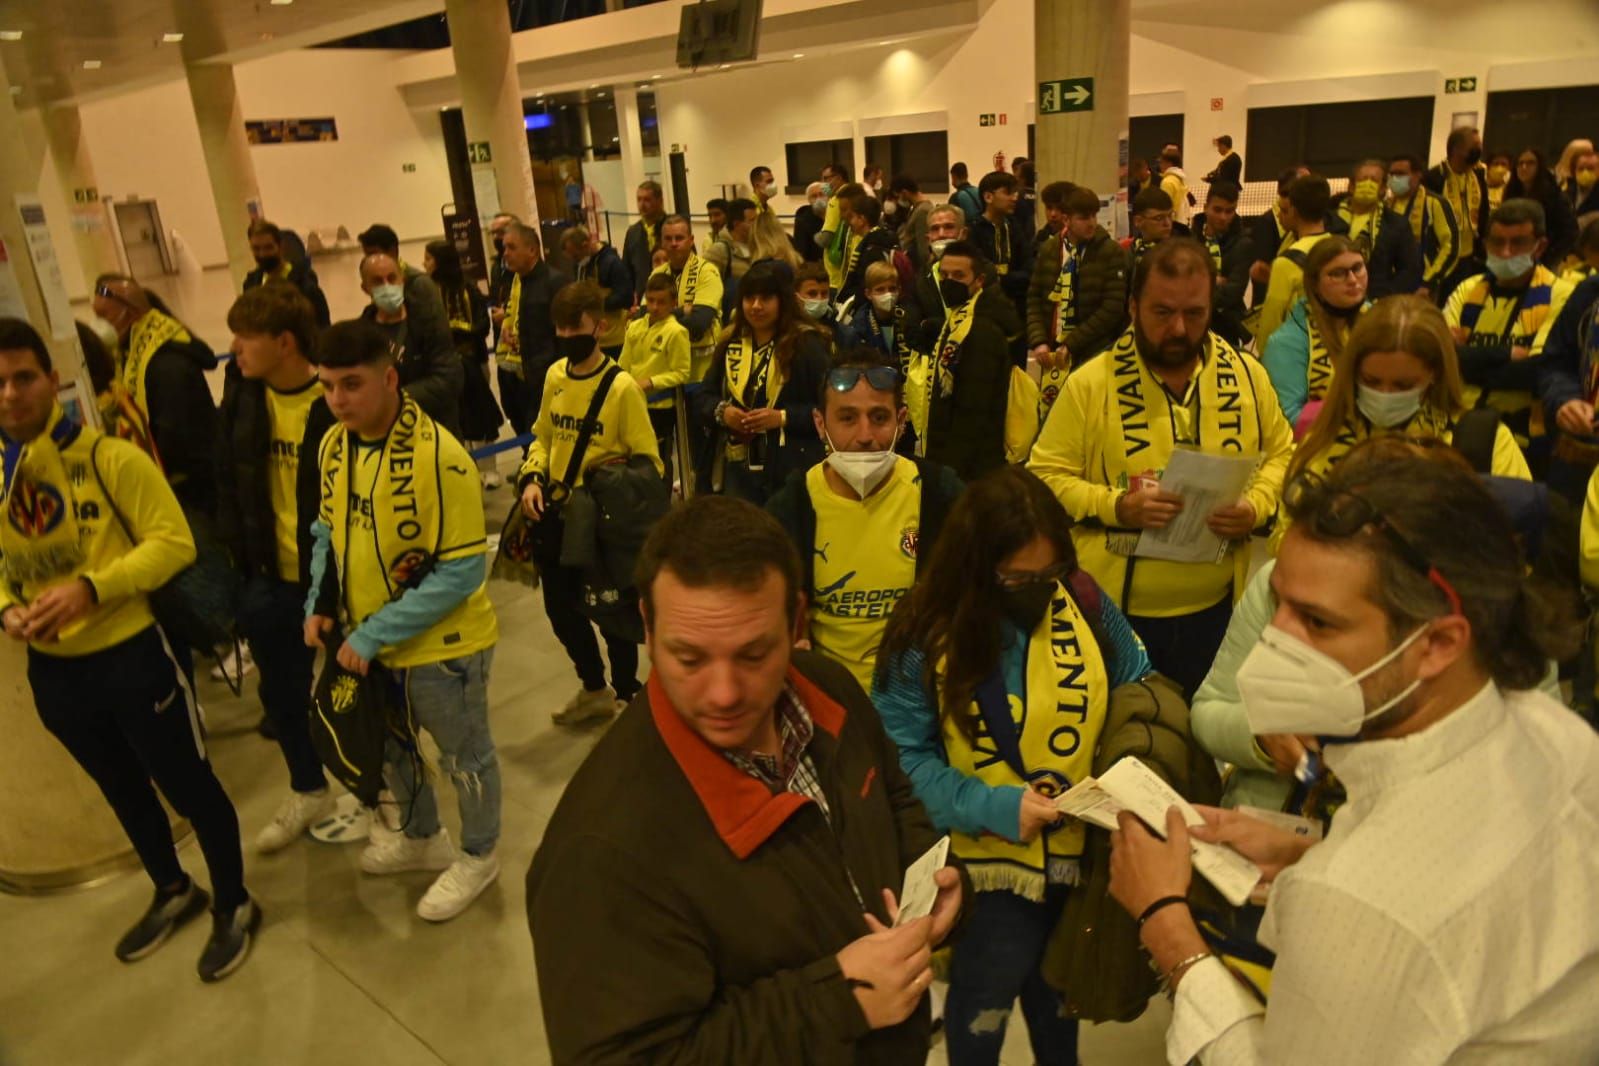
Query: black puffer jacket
[
  {"x": 183, "y": 419},
  {"x": 245, "y": 519}
]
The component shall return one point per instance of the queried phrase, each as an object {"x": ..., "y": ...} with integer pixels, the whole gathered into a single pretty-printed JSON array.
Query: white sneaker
[
  {"x": 587, "y": 706},
  {"x": 458, "y": 886},
  {"x": 395, "y": 853},
  {"x": 295, "y": 815},
  {"x": 235, "y": 665}
]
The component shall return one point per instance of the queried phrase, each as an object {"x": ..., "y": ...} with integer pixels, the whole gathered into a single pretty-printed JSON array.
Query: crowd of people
[{"x": 943, "y": 548}]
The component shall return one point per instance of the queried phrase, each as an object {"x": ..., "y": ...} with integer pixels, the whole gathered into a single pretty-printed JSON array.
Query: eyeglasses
[
  {"x": 1344, "y": 514},
  {"x": 105, "y": 292},
  {"x": 1015, "y": 579},
  {"x": 1354, "y": 270},
  {"x": 882, "y": 378}
]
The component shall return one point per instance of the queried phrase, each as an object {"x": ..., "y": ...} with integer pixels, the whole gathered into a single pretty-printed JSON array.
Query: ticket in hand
[
  {"x": 1132, "y": 786},
  {"x": 917, "y": 895}
]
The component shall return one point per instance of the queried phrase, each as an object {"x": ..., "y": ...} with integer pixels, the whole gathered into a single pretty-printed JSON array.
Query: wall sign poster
[
  {"x": 47, "y": 267},
  {"x": 290, "y": 130}
]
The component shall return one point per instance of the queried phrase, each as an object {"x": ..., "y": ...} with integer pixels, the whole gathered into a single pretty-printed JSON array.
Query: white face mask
[
  {"x": 862, "y": 471},
  {"x": 938, "y": 247},
  {"x": 816, "y": 308},
  {"x": 884, "y": 302},
  {"x": 1289, "y": 687},
  {"x": 1385, "y": 410}
]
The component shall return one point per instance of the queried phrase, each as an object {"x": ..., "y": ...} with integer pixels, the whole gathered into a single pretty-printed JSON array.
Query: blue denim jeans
[
  {"x": 996, "y": 961},
  {"x": 450, "y": 699}
]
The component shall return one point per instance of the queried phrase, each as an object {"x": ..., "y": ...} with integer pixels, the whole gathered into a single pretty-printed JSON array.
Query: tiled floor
[{"x": 344, "y": 971}]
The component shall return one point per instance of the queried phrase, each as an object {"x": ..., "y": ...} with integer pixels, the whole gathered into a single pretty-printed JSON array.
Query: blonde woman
[
  {"x": 1301, "y": 354},
  {"x": 770, "y": 242},
  {"x": 1398, "y": 374}
]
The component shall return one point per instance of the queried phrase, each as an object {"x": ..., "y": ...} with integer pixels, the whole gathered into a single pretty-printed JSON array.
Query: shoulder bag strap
[{"x": 585, "y": 431}]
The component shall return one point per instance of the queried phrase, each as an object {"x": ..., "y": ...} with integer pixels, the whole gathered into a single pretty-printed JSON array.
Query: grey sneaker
[
  {"x": 165, "y": 916},
  {"x": 232, "y": 936},
  {"x": 586, "y": 706}
]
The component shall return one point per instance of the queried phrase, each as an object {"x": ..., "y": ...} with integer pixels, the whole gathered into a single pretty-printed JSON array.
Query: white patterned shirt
[{"x": 1450, "y": 915}]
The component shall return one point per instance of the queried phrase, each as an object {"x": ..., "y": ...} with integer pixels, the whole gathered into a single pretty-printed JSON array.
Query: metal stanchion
[{"x": 683, "y": 446}]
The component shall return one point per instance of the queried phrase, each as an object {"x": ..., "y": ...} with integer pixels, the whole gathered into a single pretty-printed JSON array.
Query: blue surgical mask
[
  {"x": 388, "y": 298},
  {"x": 1507, "y": 269},
  {"x": 1399, "y": 184}
]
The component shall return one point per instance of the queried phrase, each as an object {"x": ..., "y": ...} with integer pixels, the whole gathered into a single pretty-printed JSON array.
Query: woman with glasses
[
  {"x": 993, "y": 680},
  {"x": 1302, "y": 352},
  {"x": 759, "y": 396},
  {"x": 1398, "y": 374}
]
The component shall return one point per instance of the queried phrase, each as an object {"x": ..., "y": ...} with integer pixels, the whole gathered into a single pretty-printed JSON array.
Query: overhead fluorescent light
[
  {"x": 799, "y": 55},
  {"x": 655, "y": 77},
  {"x": 91, "y": 64},
  {"x": 10, "y": 35},
  {"x": 171, "y": 38},
  {"x": 281, "y": 3}
]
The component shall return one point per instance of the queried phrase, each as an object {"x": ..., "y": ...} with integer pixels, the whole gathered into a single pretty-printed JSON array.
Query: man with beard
[{"x": 1167, "y": 383}]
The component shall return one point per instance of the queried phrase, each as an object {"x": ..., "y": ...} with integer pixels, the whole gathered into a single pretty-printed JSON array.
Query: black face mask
[
  {"x": 270, "y": 263},
  {"x": 955, "y": 293},
  {"x": 1025, "y": 604},
  {"x": 499, "y": 246},
  {"x": 1474, "y": 157},
  {"x": 574, "y": 349}
]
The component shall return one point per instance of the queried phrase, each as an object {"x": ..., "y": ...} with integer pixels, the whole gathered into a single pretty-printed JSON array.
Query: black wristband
[{"x": 1159, "y": 904}]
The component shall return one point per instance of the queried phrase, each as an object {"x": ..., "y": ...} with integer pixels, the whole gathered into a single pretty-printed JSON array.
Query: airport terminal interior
[{"x": 151, "y": 144}]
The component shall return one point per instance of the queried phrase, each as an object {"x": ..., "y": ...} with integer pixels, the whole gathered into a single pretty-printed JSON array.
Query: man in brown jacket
[{"x": 717, "y": 882}]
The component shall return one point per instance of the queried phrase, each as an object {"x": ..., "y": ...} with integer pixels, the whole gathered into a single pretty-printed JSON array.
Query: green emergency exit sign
[{"x": 1068, "y": 94}]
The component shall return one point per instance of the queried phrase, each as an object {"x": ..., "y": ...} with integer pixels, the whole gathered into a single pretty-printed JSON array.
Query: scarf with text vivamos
[
  {"x": 1427, "y": 422},
  {"x": 39, "y": 534},
  {"x": 688, "y": 282},
  {"x": 144, "y": 340},
  {"x": 753, "y": 380},
  {"x": 508, "y": 353},
  {"x": 1319, "y": 370},
  {"x": 1143, "y": 421},
  {"x": 407, "y": 507},
  {"x": 1523, "y": 324},
  {"x": 1058, "y": 729}
]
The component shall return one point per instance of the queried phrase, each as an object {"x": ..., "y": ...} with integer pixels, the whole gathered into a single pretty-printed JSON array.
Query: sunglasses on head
[
  {"x": 882, "y": 378},
  {"x": 1345, "y": 514}
]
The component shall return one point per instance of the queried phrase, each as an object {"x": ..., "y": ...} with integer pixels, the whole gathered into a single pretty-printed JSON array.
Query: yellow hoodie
[{"x": 105, "y": 478}]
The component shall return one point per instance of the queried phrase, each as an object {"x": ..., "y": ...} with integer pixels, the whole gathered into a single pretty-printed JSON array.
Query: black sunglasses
[
  {"x": 1344, "y": 514},
  {"x": 883, "y": 378}
]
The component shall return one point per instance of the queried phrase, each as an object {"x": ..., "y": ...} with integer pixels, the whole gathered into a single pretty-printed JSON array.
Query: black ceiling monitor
[{"x": 718, "y": 31}]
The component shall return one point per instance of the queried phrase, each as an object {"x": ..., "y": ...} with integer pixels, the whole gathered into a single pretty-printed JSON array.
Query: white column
[
  {"x": 491, "y": 97},
  {"x": 96, "y": 247},
  {"x": 632, "y": 141},
  {"x": 1076, "y": 40},
  {"x": 220, "y": 116}
]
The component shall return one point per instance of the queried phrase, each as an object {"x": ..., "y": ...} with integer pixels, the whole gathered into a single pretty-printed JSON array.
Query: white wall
[{"x": 145, "y": 143}]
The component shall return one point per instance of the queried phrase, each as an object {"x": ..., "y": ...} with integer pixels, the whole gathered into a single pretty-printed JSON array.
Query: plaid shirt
[{"x": 792, "y": 770}]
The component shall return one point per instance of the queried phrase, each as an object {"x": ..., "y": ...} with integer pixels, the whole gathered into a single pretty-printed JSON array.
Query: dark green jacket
[
  {"x": 1093, "y": 957},
  {"x": 684, "y": 913},
  {"x": 1101, "y": 296}
]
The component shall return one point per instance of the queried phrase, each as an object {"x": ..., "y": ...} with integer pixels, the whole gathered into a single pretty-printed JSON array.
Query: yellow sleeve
[
  {"x": 830, "y": 223},
  {"x": 537, "y": 463},
  {"x": 1060, "y": 455},
  {"x": 163, "y": 544},
  {"x": 1172, "y": 188},
  {"x": 1280, "y": 294},
  {"x": 1276, "y": 445},
  {"x": 678, "y": 360},
  {"x": 709, "y": 293},
  {"x": 1590, "y": 535},
  {"x": 1457, "y": 303},
  {"x": 636, "y": 433},
  {"x": 635, "y": 352},
  {"x": 464, "y": 534},
  {"x": 1507, "y": 459}
]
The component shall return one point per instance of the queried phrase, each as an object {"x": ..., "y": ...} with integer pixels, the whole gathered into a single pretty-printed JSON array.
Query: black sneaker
[
  {"x": 167, "y": 913},
  {"x": 232, "y": 934}
]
